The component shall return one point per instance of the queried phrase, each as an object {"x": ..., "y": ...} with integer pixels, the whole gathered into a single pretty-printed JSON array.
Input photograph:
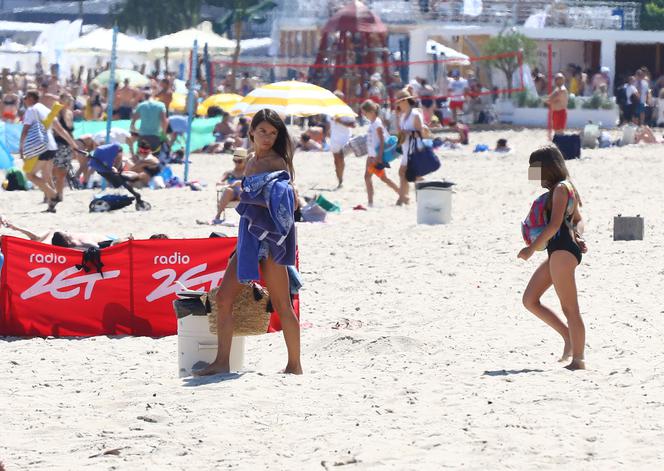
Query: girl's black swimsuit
[{"x": 563, "y": 239}]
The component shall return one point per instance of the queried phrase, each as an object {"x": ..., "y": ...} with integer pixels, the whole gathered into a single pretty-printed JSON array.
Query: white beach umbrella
[
  {"x": 450, "y": 55},
  {"x": 101, "y": 41},
  {"x": 293, "y": 98},
  {"x": 184, "y": 41}
]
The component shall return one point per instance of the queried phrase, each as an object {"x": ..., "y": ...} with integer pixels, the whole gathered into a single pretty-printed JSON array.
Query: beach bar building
[{"x": 591, "y": 34}]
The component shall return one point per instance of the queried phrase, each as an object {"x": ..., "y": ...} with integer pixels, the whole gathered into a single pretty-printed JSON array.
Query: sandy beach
[{"x": 417, "y": 351}]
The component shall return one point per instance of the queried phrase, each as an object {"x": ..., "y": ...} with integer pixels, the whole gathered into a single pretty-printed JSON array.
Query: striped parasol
[
  {"x": 293, "y": 98},
  {"x": 225, "y": 101}
]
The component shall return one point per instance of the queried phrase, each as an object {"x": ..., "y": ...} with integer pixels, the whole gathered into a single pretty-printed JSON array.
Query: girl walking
[
  {"x": 562, "y": 239},
  {"x": 375, "y": 146},
  {"x": 266, "y": 182}
]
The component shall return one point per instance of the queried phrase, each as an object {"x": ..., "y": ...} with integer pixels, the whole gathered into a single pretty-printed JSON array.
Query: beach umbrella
[
  {"x": 449, "y": 55},
  {"x": 136, "y": 79},
  {"x": 182, "y": 41},
  {"x": 225, "y": 101},
  {"x": 100, "y": 41},
  {"x": 293, "y": 98}
]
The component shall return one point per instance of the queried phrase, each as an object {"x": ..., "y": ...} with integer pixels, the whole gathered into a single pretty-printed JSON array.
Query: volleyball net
[{"x": 355, "y": 80}]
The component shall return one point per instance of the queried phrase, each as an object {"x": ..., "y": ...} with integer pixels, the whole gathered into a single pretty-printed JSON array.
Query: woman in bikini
[{"x": 271, "y": 161}]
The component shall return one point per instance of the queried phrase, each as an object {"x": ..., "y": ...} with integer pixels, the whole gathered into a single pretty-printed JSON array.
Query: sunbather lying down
[{"x": 73, "y": 240}]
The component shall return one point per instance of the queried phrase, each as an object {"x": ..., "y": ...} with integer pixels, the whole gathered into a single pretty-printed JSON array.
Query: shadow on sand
[
  {"x": 510, "y": 372},
  {"x": 193, "y": 381}
]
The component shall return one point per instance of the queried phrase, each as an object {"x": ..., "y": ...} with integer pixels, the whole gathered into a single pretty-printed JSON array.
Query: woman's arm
[
  {"x": 381, "y": 145},
  {"x": 560, "y": 197},
  {"x": 30, "y": 235},
  {"x": 417, "y": 122}
]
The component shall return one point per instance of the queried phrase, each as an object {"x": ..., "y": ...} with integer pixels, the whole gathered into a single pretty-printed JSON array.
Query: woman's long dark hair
[
  {"x": 283, "y": 145},
  {"x": 553, "y": 169}
]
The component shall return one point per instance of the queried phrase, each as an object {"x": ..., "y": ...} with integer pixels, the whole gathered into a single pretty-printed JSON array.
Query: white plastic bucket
[
  {"x": 434, "y": 203},
  {"x": 196, "y": 345}
]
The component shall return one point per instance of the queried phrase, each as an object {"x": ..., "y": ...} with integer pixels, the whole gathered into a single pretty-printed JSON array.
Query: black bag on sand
[{"x": 569, "y": 145}]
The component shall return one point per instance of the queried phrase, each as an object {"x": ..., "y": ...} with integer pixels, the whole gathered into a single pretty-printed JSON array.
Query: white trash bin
[
  {"x": 434, "y": 202},
  {"x": 197, "y": 346}
]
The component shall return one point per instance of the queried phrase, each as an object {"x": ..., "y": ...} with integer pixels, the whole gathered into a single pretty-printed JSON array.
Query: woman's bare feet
[
  {"x": 293, "y": 369},
  {"x": 214, "y": 368},
  {"x": 577, "y": 364},
  {"x": 567, "y": 351}
]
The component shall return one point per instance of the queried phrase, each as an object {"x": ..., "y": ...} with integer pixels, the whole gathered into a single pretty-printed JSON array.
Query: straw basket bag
[{"x": 251, "y": 312}]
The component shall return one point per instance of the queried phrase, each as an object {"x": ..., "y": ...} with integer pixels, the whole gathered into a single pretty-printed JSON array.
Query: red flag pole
[{"x": 550, "y": 88}]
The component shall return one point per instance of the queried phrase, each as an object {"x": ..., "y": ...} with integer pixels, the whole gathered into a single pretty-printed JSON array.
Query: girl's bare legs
[
  {"x": 227, "y": 197},
  {"x": 369, "y": 183},
  {"x": 228, "y": 292},
  {"x": 403, "y": 187},
  {"x": 339, "y": 165},
  {"x": 562, "y": 265},
  {"x": 385, "y": 179},
  {"x": 276, "y": 279},
  {"x": 537, "y": 286}
]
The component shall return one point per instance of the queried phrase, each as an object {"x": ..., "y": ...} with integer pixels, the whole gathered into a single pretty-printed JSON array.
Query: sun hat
[
  {"x": 402, "y": 95},
  {"x": 240, "y": 152}
]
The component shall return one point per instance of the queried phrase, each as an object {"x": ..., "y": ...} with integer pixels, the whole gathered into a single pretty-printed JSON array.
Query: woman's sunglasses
[{"x": 238, "y": 161}]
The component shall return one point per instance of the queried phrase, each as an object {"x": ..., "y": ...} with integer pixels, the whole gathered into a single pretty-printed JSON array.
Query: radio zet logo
[
  {"x": 175, "y": 258},
  {"x": 47, "y": 258}
]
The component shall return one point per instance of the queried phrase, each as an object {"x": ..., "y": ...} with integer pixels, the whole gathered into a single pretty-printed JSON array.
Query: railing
[{"x": 535, "y": 13}]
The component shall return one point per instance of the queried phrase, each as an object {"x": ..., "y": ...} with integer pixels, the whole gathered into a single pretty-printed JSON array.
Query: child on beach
[
  {"x": 562, "y": 239},
  {"x": 375, "y": 147},
  {"x": 266, "y": 237}
]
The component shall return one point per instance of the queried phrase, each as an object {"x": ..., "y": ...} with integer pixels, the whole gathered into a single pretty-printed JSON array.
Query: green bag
[{"x": 16, "y": 180}]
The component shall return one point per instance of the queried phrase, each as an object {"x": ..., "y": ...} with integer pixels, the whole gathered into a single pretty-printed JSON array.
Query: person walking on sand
[
  {"x": 375, "y": 146},
  {"x": 262, "y": 240},
  {"x": 340, "y": 133},
  {"x": 557, "y": 101},
  {"x": 409, "y": 121},
  {"x": 562, "y": 239},
  {"x": 40, "y": 175}
]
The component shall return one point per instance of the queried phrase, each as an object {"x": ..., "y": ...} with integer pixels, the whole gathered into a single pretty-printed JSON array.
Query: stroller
[{"x": 104, "y": 166}]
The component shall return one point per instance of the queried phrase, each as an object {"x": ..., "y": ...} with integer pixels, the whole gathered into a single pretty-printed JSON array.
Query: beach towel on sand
[{"x": 267, "y": 225}]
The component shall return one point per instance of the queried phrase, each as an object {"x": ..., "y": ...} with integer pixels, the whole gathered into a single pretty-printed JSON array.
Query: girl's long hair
[
  {"x": 553, "y": 169},
  {"x": 283, "y": 145}
]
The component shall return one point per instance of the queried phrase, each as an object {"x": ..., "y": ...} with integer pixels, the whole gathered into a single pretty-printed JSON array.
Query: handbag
[
  {"x": 251, "y": 311},
  {"x": 422, "y": 161},
  {"x": 36, "y": 141}
]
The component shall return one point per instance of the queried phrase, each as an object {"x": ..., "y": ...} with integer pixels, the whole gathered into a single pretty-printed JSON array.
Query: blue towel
[{"x": 267, "y": 225}]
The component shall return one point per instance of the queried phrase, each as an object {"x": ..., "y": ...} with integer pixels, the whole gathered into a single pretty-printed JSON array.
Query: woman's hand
[
  {"x": 581, "y": 242},
  {"x": 526, "y": 253}
]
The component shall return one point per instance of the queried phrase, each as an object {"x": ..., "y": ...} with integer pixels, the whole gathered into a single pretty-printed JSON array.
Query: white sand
[{"x": 446, "y": 369}]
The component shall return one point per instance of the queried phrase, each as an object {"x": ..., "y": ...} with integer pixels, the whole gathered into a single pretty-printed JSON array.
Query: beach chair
[{"x": 590, "y": 136}]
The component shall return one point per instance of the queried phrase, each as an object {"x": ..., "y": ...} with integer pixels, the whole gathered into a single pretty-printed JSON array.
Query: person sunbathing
[
  {"x": 231, "y": 182},
  {"x": 145, "y": 167},
  {"x": 645, "y": 135},
  {"x": 306, "y": 143},
  {"x": 462, "y": 131},
  {"x": 72, "y": 240}
]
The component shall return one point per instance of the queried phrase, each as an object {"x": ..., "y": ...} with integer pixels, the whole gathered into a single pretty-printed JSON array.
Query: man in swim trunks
[
  {"x": 558, "y": 103},
  {"x": 126, "y": 98}
]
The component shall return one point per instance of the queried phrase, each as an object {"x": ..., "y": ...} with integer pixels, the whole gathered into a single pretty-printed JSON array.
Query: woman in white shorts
[
  {"x": 409, "y": 119},
  {"x": 339, "y": 136}
]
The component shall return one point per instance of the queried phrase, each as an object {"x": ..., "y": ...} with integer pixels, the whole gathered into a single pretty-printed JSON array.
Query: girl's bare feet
[
  {"x": 293, "y": 369},
  {"x": 577, "y": 364},
  {"x": 567, "y": 351},
  {"x": 214, "y": 368}
]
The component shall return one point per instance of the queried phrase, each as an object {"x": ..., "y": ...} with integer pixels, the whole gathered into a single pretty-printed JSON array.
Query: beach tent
[
  {"x": 293, "y": 98},
  {"x": 100, "y": 41},
  {"x": 354, "y": 35},
  {"x": 183, "y": 41},
  {"x": 451, "y": 56}
]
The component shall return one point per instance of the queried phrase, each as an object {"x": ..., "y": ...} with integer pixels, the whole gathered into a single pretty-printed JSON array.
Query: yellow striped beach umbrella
[
  {"x": 225, "y": 101},
  {"x": 293, "y": 98}
]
